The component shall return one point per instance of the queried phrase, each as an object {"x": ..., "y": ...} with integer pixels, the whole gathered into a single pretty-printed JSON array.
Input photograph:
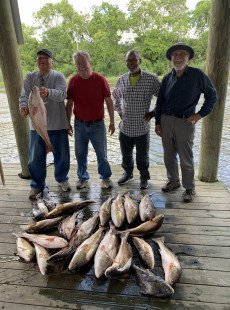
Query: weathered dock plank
[{"x": 198, "y": 233}]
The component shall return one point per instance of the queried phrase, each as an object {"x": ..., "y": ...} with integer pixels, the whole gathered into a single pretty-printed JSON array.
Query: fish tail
[
  {"x": 124, "y": 234},
  {"x": 16, "y": 235},
  {"x": 113, "y": 229}
]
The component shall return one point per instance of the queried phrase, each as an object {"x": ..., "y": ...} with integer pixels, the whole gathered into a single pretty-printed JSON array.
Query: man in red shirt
[{"x": 87, "y": 91}]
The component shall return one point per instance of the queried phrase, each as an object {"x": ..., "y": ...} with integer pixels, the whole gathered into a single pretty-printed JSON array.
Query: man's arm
[
  {"x": 210, "y": 98},
  {"x": 117, "y": 94},
  {"x": 59, "y": 92},
  {"x": 69, "y": 110},
  {"x": 25, "y": 92},
  {"x": 110, "y": 108},
  {"x": 155, "y": 91}
]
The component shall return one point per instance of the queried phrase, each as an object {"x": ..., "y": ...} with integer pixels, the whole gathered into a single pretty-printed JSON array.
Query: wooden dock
[{"x": 198, "y": 233}]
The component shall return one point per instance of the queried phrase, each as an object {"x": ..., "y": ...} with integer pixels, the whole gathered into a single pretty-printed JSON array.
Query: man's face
[
  {"x": 180, "y": 59},
  {"x": 44, "y": 62},
  {"x": 133, "y": 63},
  {"x": 84, "y": 68}
]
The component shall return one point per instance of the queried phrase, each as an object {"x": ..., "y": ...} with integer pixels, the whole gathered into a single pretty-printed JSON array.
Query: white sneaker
[
  {"x": 106, "y": 183},
  {"x": 65, "y": 186},
  {"x": 81, "y": 183}
]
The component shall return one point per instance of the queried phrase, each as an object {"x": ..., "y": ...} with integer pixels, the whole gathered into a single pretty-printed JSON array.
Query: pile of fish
[{"x": 104, "y": 236}]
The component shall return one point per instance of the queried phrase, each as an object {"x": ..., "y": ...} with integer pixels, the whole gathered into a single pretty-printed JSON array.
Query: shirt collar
[
  {"x": 140, "y": 73},
  {"x": 185, "y": 71}
]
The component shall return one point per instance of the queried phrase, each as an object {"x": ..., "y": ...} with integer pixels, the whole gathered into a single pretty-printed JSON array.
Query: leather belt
[
  {"x": 176, "y": 115},
  {"x": 89, "y": 122}
]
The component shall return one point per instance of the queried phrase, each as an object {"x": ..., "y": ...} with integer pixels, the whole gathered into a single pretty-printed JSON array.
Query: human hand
[
  {"x": 158, "y": 130},
  {"x": 24, "y": 111},
  {"x": 111, "y": 128},
  {"x": 43, "y": 92},
  {"x": 149, "y": 115},
  {"x": 193, "y": 119},
  {"x": 70, "y": 131}
]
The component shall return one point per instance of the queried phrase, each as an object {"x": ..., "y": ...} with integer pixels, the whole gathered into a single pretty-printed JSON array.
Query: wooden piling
[
  {"x": 12, "y": 75},
  {"x": 218, "y": 62}
]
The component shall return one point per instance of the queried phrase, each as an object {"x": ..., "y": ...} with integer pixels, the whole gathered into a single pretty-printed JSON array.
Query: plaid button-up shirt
[{"x": 134, "y": 102}]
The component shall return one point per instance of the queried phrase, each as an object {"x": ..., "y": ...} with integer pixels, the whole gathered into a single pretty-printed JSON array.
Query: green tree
[
  {"x": 62, "y": 29},
  {"x": 29, "y": 49},
  {"x": 199, "y": 20},
  {"x": 157, "y": 25},
  {"x": 105, "y": 31}
]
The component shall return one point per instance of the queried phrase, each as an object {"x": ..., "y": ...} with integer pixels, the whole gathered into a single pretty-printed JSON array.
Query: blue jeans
[
  {"x": 95, "y": 132},
  {"x": 37, "y": 157}
]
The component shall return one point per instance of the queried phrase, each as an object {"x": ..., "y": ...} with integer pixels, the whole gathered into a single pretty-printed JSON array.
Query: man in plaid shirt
[{"x": 133, "y": 94}]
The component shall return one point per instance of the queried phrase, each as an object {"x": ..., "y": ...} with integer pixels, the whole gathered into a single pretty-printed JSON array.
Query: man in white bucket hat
[{"x": 176, "y": 116}]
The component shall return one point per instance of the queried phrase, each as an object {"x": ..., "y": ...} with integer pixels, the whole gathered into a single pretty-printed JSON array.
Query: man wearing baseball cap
[
  {"x": 176, "y": 116},
  {"x": 52, "y": 87}
]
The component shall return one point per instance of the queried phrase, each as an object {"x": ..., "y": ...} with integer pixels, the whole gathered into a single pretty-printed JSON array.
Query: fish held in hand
[
  {"x": 170, "y": 262},
  {"x": 37, "y": 112},
  {"x": 151, "y": 283}
]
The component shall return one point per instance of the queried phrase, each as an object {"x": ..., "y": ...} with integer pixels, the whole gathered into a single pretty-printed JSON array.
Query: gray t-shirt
[{"x": 55, "y": 105}]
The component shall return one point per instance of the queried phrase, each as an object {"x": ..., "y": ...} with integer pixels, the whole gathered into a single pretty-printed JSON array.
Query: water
[{"x": 9, "y": 152}]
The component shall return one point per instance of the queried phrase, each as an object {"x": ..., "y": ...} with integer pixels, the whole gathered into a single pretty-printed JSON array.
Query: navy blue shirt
[{"x": 179, "y": 95}]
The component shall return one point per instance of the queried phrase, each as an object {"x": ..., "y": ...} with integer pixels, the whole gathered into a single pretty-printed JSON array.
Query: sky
[{"x": 28, "y": 7}]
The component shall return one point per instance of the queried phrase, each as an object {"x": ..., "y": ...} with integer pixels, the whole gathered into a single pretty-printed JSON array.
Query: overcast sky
[{"x": 28, "y": 7}]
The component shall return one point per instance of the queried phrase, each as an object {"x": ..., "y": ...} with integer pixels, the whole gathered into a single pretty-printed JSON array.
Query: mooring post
[
  {"x": 12, "y": 75},
  {"x": 218, "y": 61}
]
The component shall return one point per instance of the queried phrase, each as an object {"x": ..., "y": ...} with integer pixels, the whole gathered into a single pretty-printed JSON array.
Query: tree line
[{"x": 107, "y": 33}]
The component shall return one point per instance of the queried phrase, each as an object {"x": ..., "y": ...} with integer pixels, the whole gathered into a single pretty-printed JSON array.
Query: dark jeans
[
  {"x": 142, "y": 154},
  {"x": 37, "y": 157}
]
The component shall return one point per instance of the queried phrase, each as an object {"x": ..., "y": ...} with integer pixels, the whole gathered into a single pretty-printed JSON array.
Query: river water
[{"x": 9, "y": 153}]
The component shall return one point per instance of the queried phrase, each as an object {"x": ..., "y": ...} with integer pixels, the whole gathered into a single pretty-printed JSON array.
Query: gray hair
[
  {"x": 81, "y": 53},
  {"x": 133, "y": 52}
]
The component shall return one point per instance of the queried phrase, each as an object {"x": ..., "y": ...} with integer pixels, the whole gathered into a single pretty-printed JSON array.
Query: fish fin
[
  {"x": 151, "y": 215},
  {"x": 124, "y": 234},
  {"x": 34, "y": 110},
  {"x": 16, "y": 235},
  {"x": 159, "y": 239}
]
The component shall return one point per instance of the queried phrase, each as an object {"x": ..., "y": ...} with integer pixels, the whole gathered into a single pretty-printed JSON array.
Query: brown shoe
[
  {"x": 170, "y": 185},
  {"x": 188, "y": 195}
]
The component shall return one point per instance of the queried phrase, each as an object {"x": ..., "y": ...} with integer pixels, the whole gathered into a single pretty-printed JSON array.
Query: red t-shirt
[{"x": 88, "y": 96}]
